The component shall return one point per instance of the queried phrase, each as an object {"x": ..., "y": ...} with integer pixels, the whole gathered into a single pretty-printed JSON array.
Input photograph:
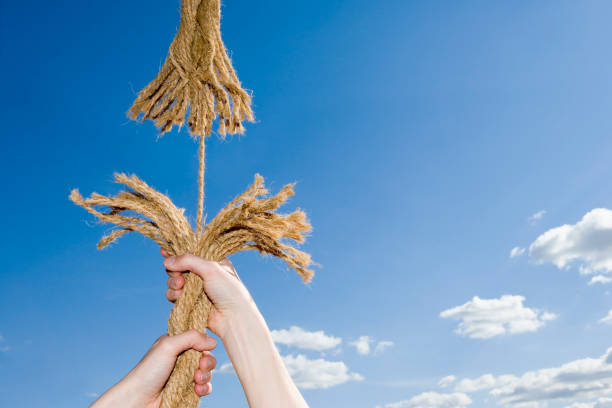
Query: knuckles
[
  {"x": 208, "y": 363},
  {"x": 206, "y": 377},
  {"x": 165, "y": 344},
  {"x": 159, "y": 340}
]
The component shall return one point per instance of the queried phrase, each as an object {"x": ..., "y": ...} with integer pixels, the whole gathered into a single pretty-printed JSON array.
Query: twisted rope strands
[
  {"x": 200, "y": 188},
  {"x": 197, "y": 81},
  {"x": 197, "y": 75},
  {"x": 249, "y": 221}
]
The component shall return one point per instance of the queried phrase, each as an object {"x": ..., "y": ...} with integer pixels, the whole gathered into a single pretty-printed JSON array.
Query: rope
[
  {"x": 200, "y": 215},
  {"x": 197, "y": 76},
  {"x": 197, "y": 81},
  {"x": 250, "y": 221}
]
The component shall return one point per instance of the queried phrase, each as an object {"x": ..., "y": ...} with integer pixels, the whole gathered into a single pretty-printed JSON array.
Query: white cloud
[
  {"x": 603, "y": 403},
  {"x": 516, "y": 252},
  {"x": 446, "y": 381},
  {"x": 362, "y": 345},
  {"x": 587, "y": 243},
  {"x": 600, "y": 279},
  {"x": 300, "y": 338},
  {"x": 583, "y": 381},
  {"x": 471, "y": 385},
  {"x": 309, "y": 374},
  {"x": 534, "y": 217},
  {"x": 607, "y": 319},
  {"x": 319, "y": 373},
  {"x": 382, "y": 345},
  {"x": 600, "y": 403},
  {"x": 483, "y": 382},
  {"x": 581, "y": 405},
  {"x": 433, "y": 400},
  {"x": 486, "y": 318},
  {"x": 92, "y": 394},
  {"x": 226, "y": 368}
]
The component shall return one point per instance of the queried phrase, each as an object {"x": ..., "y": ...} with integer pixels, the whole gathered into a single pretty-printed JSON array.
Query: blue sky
[{"x": 422, "y": 135}]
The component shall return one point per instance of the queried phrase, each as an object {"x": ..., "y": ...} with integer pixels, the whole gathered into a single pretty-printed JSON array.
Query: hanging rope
[
  {"x": 197, "y": 75},
  {"x": 197, "y": 80},
  {"x": 200, "y": 216}
]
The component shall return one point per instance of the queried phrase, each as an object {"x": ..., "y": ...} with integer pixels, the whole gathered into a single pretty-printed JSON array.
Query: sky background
[{"x": 422, "y": 135}]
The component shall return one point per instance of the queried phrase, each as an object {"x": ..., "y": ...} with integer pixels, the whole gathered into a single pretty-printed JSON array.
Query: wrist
[{"x": 243, "y": 323}]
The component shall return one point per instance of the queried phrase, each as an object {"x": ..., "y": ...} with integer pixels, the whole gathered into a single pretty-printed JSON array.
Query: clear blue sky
[{"x": 422, "y": 136}]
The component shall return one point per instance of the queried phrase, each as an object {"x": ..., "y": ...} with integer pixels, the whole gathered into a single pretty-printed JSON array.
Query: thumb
[{"x": 191, "y": 339}]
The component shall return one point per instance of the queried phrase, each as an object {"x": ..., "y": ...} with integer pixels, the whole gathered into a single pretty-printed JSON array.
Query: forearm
[
  {"x": 265, "y": 380},
  {"x": 116, "y": 396}
]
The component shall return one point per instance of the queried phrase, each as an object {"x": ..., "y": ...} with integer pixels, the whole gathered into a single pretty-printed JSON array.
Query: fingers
[
  {"x": 176, "y": 283},
  {"x": 164, "y": 253},
  {"x": 203, "y": 375},
  {"x": 191, "y": 263},
  {"x": 173, "y": 295},
  {"x": 203, "y": 389},
  {"x": 208, "y": 362},
  {"x": 191, "y": 339},
  {"x": 175, "y": 286}
]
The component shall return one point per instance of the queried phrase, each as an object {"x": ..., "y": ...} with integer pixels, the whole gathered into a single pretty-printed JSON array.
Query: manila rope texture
[{"x": 198, "y": 79}]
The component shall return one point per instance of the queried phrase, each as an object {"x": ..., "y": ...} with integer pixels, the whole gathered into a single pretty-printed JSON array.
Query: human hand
[
  {"x": 235, "y": 319},
  {"x": 142, "y": 387},
  {"x": 229, "y": 296}
]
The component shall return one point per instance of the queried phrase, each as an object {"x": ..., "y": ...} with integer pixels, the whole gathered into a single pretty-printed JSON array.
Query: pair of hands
[{"x": 142, "y": 387}]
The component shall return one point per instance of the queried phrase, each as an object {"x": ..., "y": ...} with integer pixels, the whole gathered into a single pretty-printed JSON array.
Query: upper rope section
[{"x": 197, "y": 76}]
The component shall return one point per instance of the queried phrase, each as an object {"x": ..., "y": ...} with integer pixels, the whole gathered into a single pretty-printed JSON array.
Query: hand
[
  {"x": 142, "y": 387},
  {"x": 243, "y": 330},
  {"x": 222, "y": 285}
]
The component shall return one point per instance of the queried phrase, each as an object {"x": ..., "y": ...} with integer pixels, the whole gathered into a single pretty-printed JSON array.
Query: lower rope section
[{"x": 249, "y": 221}]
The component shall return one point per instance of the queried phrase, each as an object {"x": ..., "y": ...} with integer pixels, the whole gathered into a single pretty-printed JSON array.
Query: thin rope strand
[{"x": 200, "y": 188}]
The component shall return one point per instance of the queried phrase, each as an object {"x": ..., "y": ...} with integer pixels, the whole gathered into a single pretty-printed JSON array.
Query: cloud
[
  {"x": 600, "y": 403},
  {"x": 603, "y": 403},
  {"x": 534, "y": 217},
  {"x": 382, "y": 345},
  {"x": 319, "y": 373},
  {"x": 587, "y": 243},
  {"x": 92, "y": 394},
  {"x": 584, "y": 381},
  {"x": 226, "y": 368},
  {"x": 433, "y": 400},
  {"x": 362, "y": 345},
  {"x": 446, "y": 381},
  {"x": 300, "y": 338},
  {"x": 487, "y": 318},
  {"x": 483, "y": 382},
  {"x": 600, "y": 279},
  {"x": 309, "y": 374},
  {"x": 516, "y": 252},
  {"x": 607, "y": 319}
]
